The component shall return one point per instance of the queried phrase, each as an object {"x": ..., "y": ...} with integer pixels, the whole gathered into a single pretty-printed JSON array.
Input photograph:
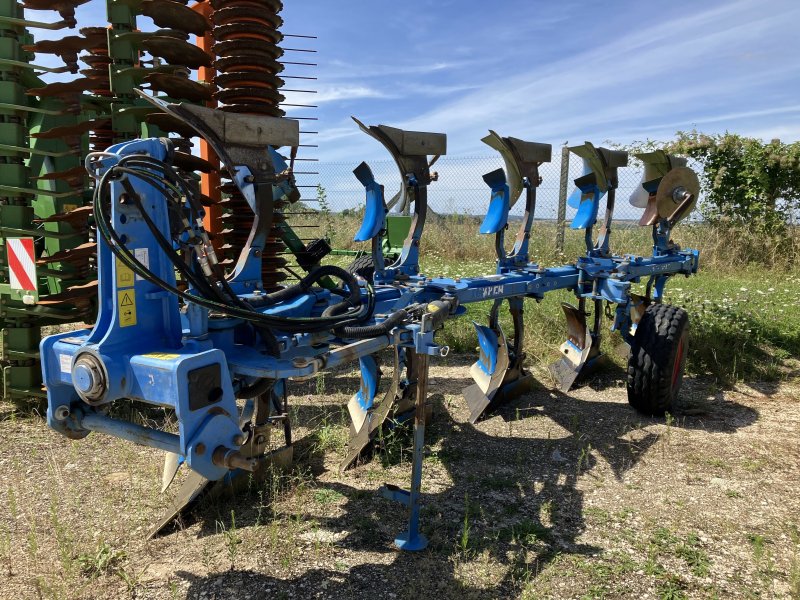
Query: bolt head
[{"x": 61, "y": 413}]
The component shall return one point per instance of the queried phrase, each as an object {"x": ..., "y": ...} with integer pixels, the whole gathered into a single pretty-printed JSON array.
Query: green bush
[{"x": 748, "y": 184}]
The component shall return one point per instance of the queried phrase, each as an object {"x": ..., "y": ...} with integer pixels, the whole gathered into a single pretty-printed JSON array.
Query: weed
[
  {"x": 694, "y": 556},
  {"x": 753, "y": 465},
  {"x": 526, "y": 532},
  {"x": 794, "y": 562},
  {"x": 651, "y": 566},
  {"x": 102, "y": 560},
  {"x": 231, "y": 538},
  {"x": 584, "y": 458},
  {"x": 671, "y": 589},
  {"x": 758, "y": 543},
  {"x": 13, "y": 509},
  {"x": 547, "y": 510},
  {"x": 330, "y": 437},
  {"x": 463, "y": 540},
  {"x": 596, "y": 591},
  {"x": 325, "y": 210},
  {"x": 395, "y": 443},
  {"x": 340, "y": 566},
  {"x": 131, "y": 580},
  {"x": 5, "y": 549},
  {"x": 327, "y": 496},
  {"x": 64, "y": 540},
  {"x": 598, "y": 515},
  {"x": 320, "y": 383},
  {"x": 33, "y": 541},
  {"x": 663, "y": 537},
  {"x": 206, "y": 555}
]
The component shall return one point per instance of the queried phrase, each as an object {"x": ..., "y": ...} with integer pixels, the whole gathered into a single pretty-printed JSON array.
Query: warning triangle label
[{"x": 126, "y": 300}]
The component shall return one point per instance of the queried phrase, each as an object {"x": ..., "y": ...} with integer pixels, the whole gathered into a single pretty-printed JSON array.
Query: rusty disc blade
[
  {"x": 246, "y": 12},
  {"x": 78, "y": 218},
  {"x": 96, "y": 59},
  {"x": 178, "y": 87},
  {"x": 177, "y": 52},
  {"x": 247, "y": 31},
  {"x": 254, "y": 109},
  {"x": 100, "y": 37},
  {"x": 81, "y": 296},
  {"x": 190, "y": 162},
  {"x": 79, "y": 253},
  {"x": 167, "y": 13},
  {"x": 274, "y": 6},
  {"x": 246, "y": 48},
  {"x": 248, "y": 79},
  {"x": 69, "y": 175},
  {"x": 69, "y": 44},
  {"x": 67, "y": 87},
  {"x": 249, "y": 63},
  {"x": 167, "y": 122},
  {"x": 67, "y": 130},
  {"x": 249, "y": 95},
  {"x": 65, "y": 8}
]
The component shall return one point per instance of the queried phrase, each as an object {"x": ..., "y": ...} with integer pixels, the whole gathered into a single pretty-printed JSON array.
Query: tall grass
[
  {"x": 744, "y": 304},
  {"x": 456, "y": 238}
]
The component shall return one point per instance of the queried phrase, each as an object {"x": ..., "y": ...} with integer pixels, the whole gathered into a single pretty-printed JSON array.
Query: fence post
[{"x": 562, "y": 199}]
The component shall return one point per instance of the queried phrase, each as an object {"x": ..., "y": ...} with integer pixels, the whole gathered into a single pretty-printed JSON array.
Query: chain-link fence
[{"x": 460, "y": 188}]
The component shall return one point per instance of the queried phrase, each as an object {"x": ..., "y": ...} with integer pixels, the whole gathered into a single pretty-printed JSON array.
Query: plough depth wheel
[{"x": 657, "y": 358}]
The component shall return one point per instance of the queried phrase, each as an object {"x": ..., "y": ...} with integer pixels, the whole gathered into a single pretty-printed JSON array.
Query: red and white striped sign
[{"x": 21, "y": 264}]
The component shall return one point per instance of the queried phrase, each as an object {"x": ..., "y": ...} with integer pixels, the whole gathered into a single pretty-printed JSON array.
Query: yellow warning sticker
[
  {"x": 126, "y": 307},
  {"x": 124, "y": 275},
  {"x": 161, "y": 356}
]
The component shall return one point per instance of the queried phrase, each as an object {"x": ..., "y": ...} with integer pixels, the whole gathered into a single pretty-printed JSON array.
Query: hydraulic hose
[
  {"x": 328, "y": 321},
  {"x": 368, "y": 331}
]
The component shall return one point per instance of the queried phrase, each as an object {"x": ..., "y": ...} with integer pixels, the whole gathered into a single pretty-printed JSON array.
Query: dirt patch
[{"x": 556, "y": 496}]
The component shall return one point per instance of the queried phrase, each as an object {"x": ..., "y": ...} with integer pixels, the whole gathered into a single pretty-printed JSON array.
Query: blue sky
[
  {"x": 549, "y": 71},
  {"x": 544, "y": 71}
]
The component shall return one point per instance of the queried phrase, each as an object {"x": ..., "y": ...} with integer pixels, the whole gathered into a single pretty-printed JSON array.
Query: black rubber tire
[
  {"x": 363, "y": 267},
  {"x": 657, "y": 359}
]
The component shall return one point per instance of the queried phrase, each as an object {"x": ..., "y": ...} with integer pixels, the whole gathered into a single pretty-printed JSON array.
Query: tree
[{"x": 747, "y": 182}]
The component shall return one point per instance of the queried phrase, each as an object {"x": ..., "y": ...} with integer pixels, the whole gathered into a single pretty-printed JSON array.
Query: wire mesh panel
[{"x": 460, "y": 188}]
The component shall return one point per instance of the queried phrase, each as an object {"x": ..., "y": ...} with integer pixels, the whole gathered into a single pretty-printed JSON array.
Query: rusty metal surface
[
  {"x": 72, "y": 255},
  {"x": 74, "y": 176},
  {"x": 78, "y": 218},
  {"x": 69, "y": 130},
  {"x": 246, "y": 36},
  {"x": 190, "y": 162},
  {"x": 65, "y": 8},
  {"x": 175, "y": 51},
  {"x": 66, "y": 48},
  {"x": 81, "y": 297},
  {"x": 169, "y": 123},
  {"x": 60, "y": 88},
  {"x": 167, "y": 13},
  {"x": 178, "y": 87}
]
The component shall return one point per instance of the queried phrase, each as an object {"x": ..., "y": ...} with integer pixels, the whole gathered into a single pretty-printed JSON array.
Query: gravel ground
[{"x": 555, "y": 496}]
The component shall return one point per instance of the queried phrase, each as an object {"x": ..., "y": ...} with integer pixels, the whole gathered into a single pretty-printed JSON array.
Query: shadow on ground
[{"x": 514, "y": 494}]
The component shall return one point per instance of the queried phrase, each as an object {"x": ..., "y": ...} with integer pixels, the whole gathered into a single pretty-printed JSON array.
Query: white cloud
[
  {"x": 327, "y": 94},
  {"x": 694, "y": 65}
]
